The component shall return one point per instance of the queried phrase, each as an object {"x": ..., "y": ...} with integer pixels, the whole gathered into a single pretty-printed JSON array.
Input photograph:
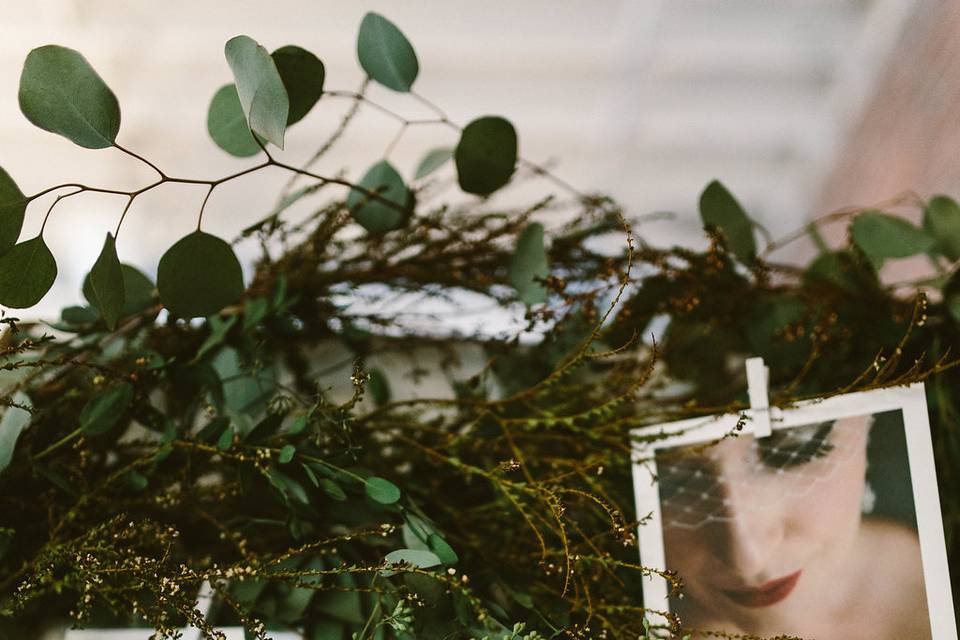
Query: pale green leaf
[
  {"x": 262, "y": 95},
  {"x": 528, "y": 264},
  {"x": 415, "y": 557},
  {"x": 13, "y": 422},
  {"x": 227, "y": 124},
  {"x": 434, "y": 159},
  {"x": 381, "y": 490}
]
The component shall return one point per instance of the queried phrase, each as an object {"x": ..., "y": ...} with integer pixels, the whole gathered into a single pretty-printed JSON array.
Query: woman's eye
[{"x": 801, "y": 447}]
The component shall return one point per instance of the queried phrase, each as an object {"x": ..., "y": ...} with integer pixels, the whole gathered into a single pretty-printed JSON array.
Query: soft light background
[{"x": 799, "y": 106}]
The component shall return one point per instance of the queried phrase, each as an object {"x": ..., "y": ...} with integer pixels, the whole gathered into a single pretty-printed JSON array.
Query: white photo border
[{"x": 911, "y": 400}]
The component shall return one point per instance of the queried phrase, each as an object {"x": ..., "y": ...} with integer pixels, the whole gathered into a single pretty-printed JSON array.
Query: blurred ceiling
[{"x": 647, "y": 100}]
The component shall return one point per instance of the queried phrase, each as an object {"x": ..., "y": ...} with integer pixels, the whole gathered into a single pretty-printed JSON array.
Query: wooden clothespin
[{"x": 758, "y": 377}]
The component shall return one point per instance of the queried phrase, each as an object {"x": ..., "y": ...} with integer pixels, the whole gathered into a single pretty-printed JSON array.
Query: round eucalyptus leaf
[
  {"x": 27, "y": 272},
  {"x": 486, "y": 155},
  {"x": 227, "y": 124},
  {"x": 941, "y": 219},
  {"x": 106, "y": 282},
  {"x": 530, "y": 263},
  {"x": 880, "y": 236},
  {"x": 719, "y": 209},
  {"x": 198, "y": 276},
  {"x": 381, "y": 490},
  {"x": 374, "y": 214},
  {"x": 138, "y": 291},
  {"x": 416, "y": 557},
  {"x": 385, "y": 53},
  {"x": 103, "y": 411},
  {"x": 13, "y": 205},
  {"x": 260, "y": 89},
  {"x": 302, "y": 74},
  {"x": 60, "y": 92},
  {"x": 434, "y": 159}
]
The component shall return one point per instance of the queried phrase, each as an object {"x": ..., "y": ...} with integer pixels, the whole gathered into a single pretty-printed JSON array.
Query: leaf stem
[
  {"x": 141, "y": 159},
  {"x": 59, "y": 443}
]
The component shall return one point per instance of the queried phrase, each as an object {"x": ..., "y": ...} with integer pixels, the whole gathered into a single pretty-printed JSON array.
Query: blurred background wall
[{"x": 799, "y": 106}]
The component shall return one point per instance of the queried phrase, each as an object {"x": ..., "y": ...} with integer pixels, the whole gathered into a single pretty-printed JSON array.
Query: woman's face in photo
[{"x": 752, "y": 526}]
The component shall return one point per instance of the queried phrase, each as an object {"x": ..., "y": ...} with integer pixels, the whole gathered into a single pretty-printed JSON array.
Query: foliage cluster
[{"x": 143, "y": 454}]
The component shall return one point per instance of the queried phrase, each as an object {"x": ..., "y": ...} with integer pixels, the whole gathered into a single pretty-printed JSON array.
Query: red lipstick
[{"x": 767, "y": 594}]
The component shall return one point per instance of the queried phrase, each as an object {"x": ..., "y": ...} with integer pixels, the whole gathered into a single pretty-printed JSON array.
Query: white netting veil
[{"x": 702, "y": 484}]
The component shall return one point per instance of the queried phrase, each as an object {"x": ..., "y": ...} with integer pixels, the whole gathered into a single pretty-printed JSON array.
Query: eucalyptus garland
[{"x": 206, "y": 430}]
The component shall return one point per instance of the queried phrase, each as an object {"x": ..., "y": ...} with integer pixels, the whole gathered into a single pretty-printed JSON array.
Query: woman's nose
[{"x": 751, "y": 530}]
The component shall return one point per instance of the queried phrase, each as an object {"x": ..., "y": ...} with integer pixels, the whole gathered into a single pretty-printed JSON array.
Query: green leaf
[
  {"x": 60, "y": 92},
  {"x": 443, "y": 550},
  {"x": 219, "y": 328},
  {"x": 719, "y": 209},
  {"x": 262, "y": 95},
  {"x": 381, "y": 490},
  {"x": 529, "y": 262},
  {"x": 254, "y": 310},
  {"x": 379, "y": 387},
  {"x": 137, "y": 291},
  {"x": 136, "y": 480},
  {"x": 287, "y": 486},
  {"x": 416, "y": 557},
  {"x": 880, "y": 236},
  {"x": 953, "y": 306},
  {"x": 79, "y": 315},
  {"x": 302, "y": 74},
  {"x": 373, "y": 214},
  {"x": 13, "y": 206},
  {"x": 106, "y": 281},
  {"x": 103, "y": 411},
  {"x": 225, "y": 441},
  {"x": 198, "y": 276},
  {"x": 941, "y": 219},
  {"x": 385, "y": 53},
  {"x": 286, "y": 453},
  {"x": 27, "y": 272},
  {"x": 13, "y": 422},
  {"x": 486, "y": 155},
  {"x": 433, "y": 161},
  {"x": 332, "y": 489},
  {"x": 832, "y": 266},
  {"x": 227, "y": 124}
]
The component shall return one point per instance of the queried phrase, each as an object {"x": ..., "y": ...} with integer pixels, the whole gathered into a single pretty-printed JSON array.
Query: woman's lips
[{"x": 768, "y": 594}]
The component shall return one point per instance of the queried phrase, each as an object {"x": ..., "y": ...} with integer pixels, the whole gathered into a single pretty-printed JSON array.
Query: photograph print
[{"x": 827, "y": 528}]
